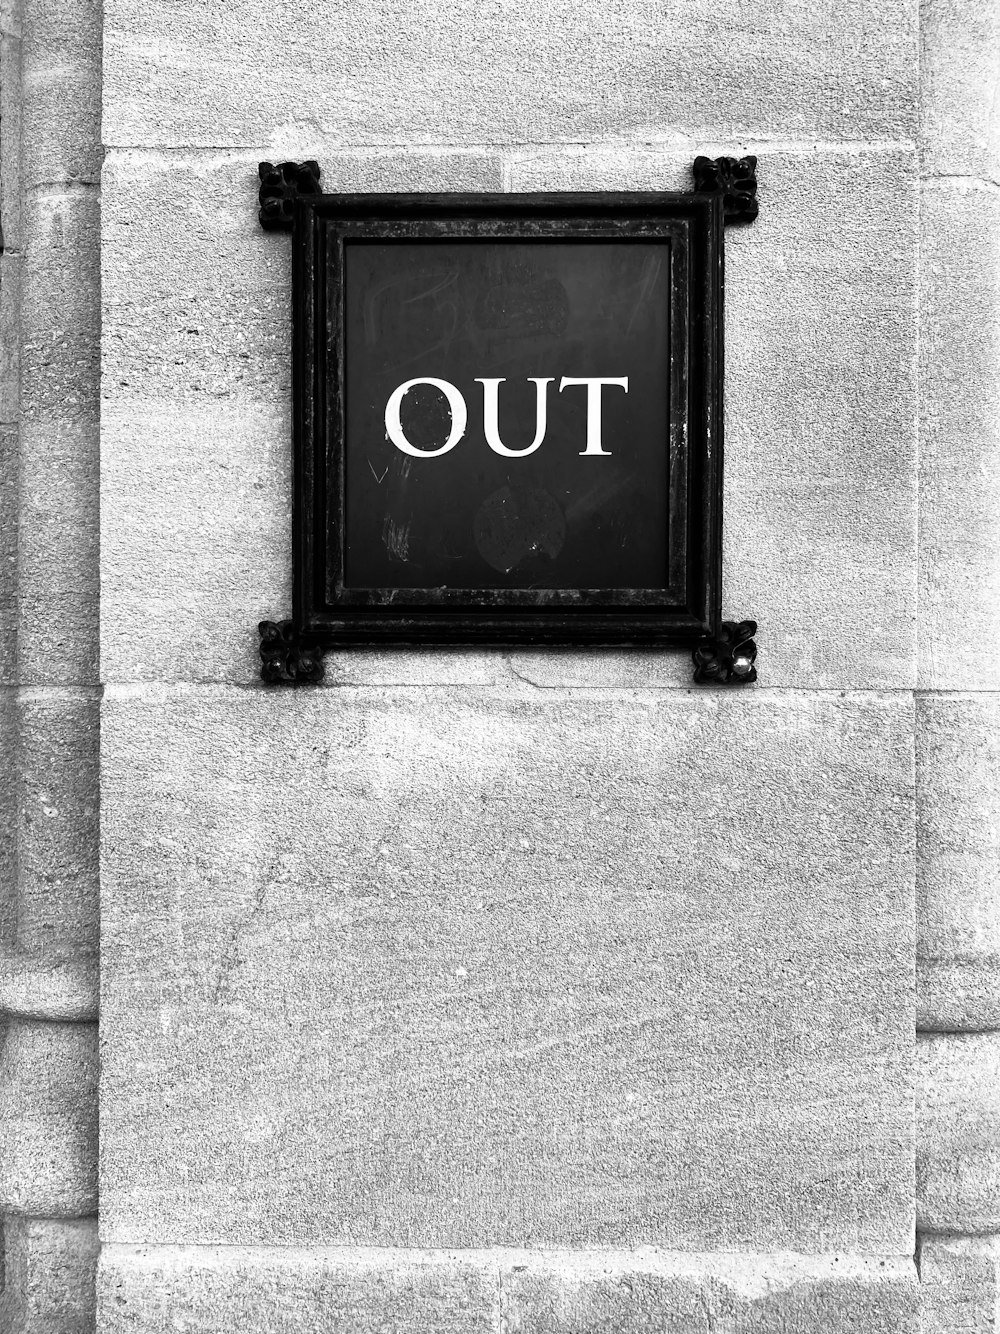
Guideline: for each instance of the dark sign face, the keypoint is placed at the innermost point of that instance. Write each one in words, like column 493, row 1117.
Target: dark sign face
column 506, row 414
column 507, row 417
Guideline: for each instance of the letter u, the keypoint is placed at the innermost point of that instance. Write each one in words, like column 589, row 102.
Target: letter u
column 491, row 416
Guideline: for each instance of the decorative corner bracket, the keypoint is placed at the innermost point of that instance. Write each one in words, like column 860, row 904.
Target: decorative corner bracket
column 733, row 178
column 281, row 184
column 284, row 661
column 727, row 657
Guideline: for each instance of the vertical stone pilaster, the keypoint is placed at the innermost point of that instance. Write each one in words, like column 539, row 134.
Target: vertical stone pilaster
column 50, row 156
column 958, row 708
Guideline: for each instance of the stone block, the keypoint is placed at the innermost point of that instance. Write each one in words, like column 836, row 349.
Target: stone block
column 61, row 305
column 960, row 437
column 958, row 1150
column 959, row 1284
column 195, row 540
column 821, row 480
column 960, row 70
column 958, row 861
column 208, row 1290
column 49, row 1281
column 8, row 553
column 472, row 967
column 61, row 72
column 671, row 1294
column 11, row 267
column 156, row 1289
column 48, row 1109
column 9, row 798
column 10, row 114
column 57, row 879
column 197, row 297
column 455, row 71
column 58, row 561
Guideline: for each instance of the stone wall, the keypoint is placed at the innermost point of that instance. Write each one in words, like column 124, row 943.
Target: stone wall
column 512, row 990
column 958, row 707
column 49, row 692
column 507, row 986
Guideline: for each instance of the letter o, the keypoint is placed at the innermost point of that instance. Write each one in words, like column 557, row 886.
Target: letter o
column 394, row 428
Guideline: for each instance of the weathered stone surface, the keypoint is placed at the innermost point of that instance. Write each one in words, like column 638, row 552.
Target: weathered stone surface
column 10, row 115
column 8, row 553
column 454, row 70
column 48, row 1109
column 958, row 1149
column 821, row 472
column 960, row 437
column 820, row 492
column 960, row 71
column 196, row 294
column 57, row 553
column 195, row 540
column 61, row 305
column 149, row 1289
column 670, row 1294
column 58, row 815
column 49, row 1281
column 61, row 69
column 959, row 1287
column 958, row 861
column 9, row 802
column 460, row 968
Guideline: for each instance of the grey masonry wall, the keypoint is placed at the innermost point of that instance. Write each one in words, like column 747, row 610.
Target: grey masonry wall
column 464, row 965
column 524, row 991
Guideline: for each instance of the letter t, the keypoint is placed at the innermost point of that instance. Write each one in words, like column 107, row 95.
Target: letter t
column 594, row 387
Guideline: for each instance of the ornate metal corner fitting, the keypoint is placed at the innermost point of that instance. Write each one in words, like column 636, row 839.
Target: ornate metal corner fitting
column 727, row 658
column 735, row 179
column 284, row 661
column 281, row 184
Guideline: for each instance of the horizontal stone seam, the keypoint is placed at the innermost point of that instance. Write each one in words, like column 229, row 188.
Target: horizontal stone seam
column 66, row 185
column 643, row 1257
column 945, row 179
column 71, row 690
column 951, row 1031
column 114, row 688
column 338, row 147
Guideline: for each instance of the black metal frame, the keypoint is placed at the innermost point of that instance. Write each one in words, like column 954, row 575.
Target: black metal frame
column 324, row 613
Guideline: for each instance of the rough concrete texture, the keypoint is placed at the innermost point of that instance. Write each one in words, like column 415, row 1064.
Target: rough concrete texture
column 146, row 1290
column 58, row 853
column 821, row 471
column 960, row 437
column 61, row 68
column 959, row 1285
column 679, row 1295
column 8, row 554
column 48, row 1109
column 462, row 968
column 58, row 554
column 958, row 1149
column 61, row 305
column 958, row 861
column 10, row 119
column 152, row 1289
column 9, row 801
column 49, row 1279
column 960, row 73
column 456, row 70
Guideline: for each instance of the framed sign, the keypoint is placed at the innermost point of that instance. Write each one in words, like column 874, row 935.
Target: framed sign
column 507, row 418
